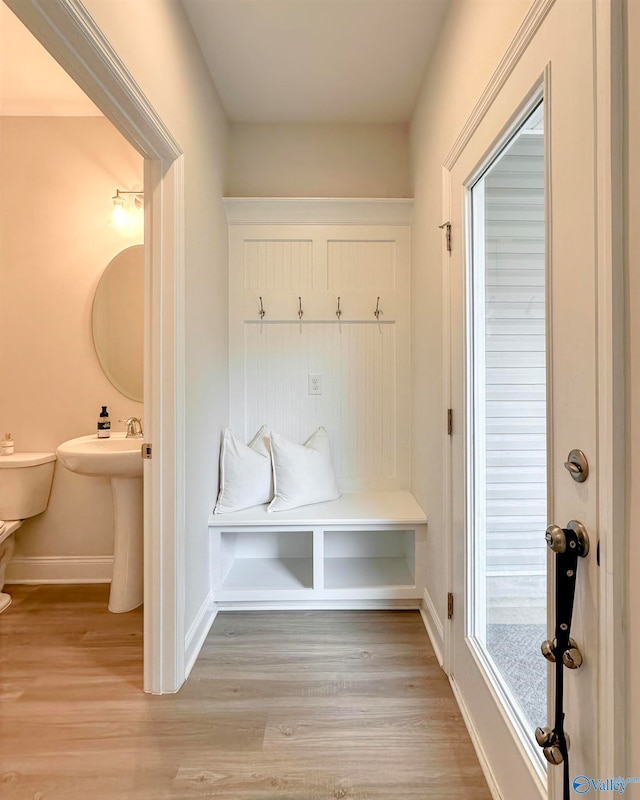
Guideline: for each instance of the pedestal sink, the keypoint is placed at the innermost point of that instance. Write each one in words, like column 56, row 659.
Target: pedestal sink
column 119, row 459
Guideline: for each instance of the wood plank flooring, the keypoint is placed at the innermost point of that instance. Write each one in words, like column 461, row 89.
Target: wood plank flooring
column 280, row 706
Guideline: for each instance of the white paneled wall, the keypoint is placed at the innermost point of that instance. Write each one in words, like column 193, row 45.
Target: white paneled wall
column 363, row 361
column 358, row 404
column 278, row 265
column 356, row 265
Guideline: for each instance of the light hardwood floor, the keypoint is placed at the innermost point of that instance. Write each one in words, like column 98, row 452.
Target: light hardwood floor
column 280, row 706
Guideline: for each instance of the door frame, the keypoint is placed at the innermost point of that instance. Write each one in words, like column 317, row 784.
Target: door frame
column 69, row 33
column 611, row 533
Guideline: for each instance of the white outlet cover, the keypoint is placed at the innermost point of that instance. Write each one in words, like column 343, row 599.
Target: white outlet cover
column 315, row 383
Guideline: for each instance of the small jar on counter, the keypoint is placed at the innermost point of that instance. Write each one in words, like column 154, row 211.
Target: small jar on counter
column 6, row 445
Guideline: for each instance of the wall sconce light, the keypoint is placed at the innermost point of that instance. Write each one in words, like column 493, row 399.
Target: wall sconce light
column 122, row 206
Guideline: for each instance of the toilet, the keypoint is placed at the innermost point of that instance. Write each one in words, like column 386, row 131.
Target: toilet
column 25, row 485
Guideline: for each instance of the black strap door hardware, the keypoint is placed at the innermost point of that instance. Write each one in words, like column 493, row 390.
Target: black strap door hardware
column 569, row 544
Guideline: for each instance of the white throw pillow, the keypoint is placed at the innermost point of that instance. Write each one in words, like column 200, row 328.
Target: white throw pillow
column 245, row 472
column 302, row 474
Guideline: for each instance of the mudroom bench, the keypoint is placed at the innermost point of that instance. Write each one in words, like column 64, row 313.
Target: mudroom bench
column 364, row 549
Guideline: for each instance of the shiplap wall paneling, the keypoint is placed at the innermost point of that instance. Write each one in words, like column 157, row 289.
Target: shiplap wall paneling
column 319, row 263
column 277, row 265
column 365, row 367
column 515, row 361
column 358, row 404
column 356, row 265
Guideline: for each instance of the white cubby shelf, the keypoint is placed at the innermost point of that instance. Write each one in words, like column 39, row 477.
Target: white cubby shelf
column 363, row 547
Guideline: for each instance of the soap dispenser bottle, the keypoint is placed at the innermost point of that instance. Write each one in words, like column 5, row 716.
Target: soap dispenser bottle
column 6, row 446
column 104, row 424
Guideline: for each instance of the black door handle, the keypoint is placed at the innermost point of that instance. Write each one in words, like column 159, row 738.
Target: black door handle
column 569, row 544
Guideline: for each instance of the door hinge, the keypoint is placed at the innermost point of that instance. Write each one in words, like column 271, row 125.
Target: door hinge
column 447, row 229
column 449, row 421
column 449, row 605
column 146, row 450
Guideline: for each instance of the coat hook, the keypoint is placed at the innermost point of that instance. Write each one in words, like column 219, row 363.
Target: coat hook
column 338, row 312
column 300, row 311
column 378, row 310
column 262, row 311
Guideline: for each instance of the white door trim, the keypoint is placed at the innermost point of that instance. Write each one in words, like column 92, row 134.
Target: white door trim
column 610, row 358
column 447, row 521
column 525, row 33
column 612, row 700
column 69, row 33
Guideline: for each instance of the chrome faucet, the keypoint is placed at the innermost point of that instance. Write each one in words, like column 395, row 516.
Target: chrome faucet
column 134, row 427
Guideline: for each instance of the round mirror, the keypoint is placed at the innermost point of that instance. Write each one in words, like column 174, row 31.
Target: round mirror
column 118, row 328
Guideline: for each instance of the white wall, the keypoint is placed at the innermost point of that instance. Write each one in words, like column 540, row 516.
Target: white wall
column 155, row 41
column 364, row 366
column 319, row 160
column 475, row 35
column 58, row 177
column 632, row 200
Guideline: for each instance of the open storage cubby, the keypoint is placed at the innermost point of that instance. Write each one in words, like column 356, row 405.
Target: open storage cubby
column 365, row 547
column 267, row 561
column 363, row 559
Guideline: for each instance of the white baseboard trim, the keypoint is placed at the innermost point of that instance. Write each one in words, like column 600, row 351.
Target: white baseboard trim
column 198, row 631
column 477, row 744
column 60, row 569
column 433, row 624
column 318, row 605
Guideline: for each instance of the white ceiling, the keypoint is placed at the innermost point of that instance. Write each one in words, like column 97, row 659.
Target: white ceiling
column 271, row 60
column 32, row 83
column 317, row 60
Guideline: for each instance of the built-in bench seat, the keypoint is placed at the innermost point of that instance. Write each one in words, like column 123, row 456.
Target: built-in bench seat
column 365, row 546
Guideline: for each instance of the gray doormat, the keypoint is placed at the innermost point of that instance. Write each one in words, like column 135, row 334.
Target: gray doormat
column 516, row 651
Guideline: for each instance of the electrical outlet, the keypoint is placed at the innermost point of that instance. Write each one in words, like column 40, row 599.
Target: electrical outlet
column 315, row 383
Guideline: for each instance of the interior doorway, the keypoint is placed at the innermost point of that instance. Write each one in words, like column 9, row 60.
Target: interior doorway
column 72, row 305
column 78, row 45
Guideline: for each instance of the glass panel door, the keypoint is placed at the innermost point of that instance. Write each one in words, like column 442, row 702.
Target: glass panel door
column 508, row 422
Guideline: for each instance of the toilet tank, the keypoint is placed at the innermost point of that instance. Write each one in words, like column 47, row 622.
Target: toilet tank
column 25, row 484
